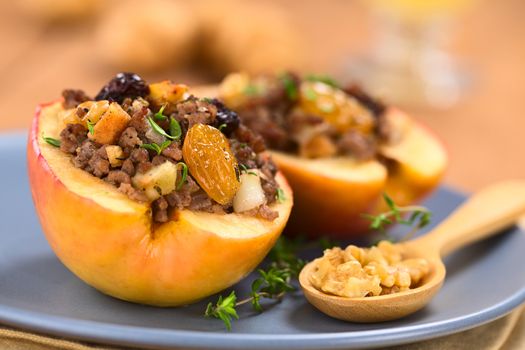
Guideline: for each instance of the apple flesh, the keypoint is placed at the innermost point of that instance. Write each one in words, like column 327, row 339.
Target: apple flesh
column 111, row 243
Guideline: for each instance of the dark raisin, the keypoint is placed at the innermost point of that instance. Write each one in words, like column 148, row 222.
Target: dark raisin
column 226, row 120
column 374, row 105
column 123, row 85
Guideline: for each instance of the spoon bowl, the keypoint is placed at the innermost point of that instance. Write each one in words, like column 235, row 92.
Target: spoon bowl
column 373, row 309
column 482, row 215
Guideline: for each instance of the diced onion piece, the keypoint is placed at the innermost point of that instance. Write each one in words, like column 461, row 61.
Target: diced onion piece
column 115, row 155
column 158, row 181
column 250, row 194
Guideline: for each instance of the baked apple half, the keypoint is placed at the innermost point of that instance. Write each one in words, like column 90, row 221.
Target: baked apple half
column 151, row 194
column 339, row 148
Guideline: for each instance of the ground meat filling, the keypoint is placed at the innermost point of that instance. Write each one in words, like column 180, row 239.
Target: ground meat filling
column 293, row 117
column 73, row 98
column 135, row 157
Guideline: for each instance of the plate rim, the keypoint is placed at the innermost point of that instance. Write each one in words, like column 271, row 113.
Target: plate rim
column 106, row 333
column 137, row 336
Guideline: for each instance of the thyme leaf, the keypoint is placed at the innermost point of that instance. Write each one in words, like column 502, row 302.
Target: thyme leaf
column 280, row 196
column 51, row 141
column 326, row 79
column 155, row 147
column 290, row 86
column 159, row 115
column 184, row 175
column 91, row 127
column 245, row 169
column 156, row 127
column 175, row 129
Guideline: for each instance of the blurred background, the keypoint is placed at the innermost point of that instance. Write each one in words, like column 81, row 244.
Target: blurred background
column 457, row 65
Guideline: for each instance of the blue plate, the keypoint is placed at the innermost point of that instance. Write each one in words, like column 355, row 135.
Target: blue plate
column 37, row 293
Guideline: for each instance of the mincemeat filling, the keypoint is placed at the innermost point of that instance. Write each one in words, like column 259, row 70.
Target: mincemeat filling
column 311, row 116
column 146, row 131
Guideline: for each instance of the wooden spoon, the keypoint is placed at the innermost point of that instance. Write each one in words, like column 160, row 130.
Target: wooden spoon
column 484, row 214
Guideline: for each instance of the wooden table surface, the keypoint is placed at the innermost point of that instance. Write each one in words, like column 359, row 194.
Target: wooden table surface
column 483, row 132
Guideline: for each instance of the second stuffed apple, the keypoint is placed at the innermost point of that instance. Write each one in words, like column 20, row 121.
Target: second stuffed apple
column 339, row 148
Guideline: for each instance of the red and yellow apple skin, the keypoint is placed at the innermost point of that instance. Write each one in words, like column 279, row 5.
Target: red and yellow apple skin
column 110, row 242
column 332, row 194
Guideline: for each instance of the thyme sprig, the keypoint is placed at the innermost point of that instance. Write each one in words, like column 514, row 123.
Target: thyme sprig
column 284, row 255
column 418, row 217
column 272, row 283
column 275, row 281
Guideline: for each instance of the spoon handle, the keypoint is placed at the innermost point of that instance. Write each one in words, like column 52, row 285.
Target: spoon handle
column 484, row 214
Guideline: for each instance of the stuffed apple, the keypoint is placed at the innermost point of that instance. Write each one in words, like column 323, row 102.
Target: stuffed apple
column 151, row 194
column 339, row 148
